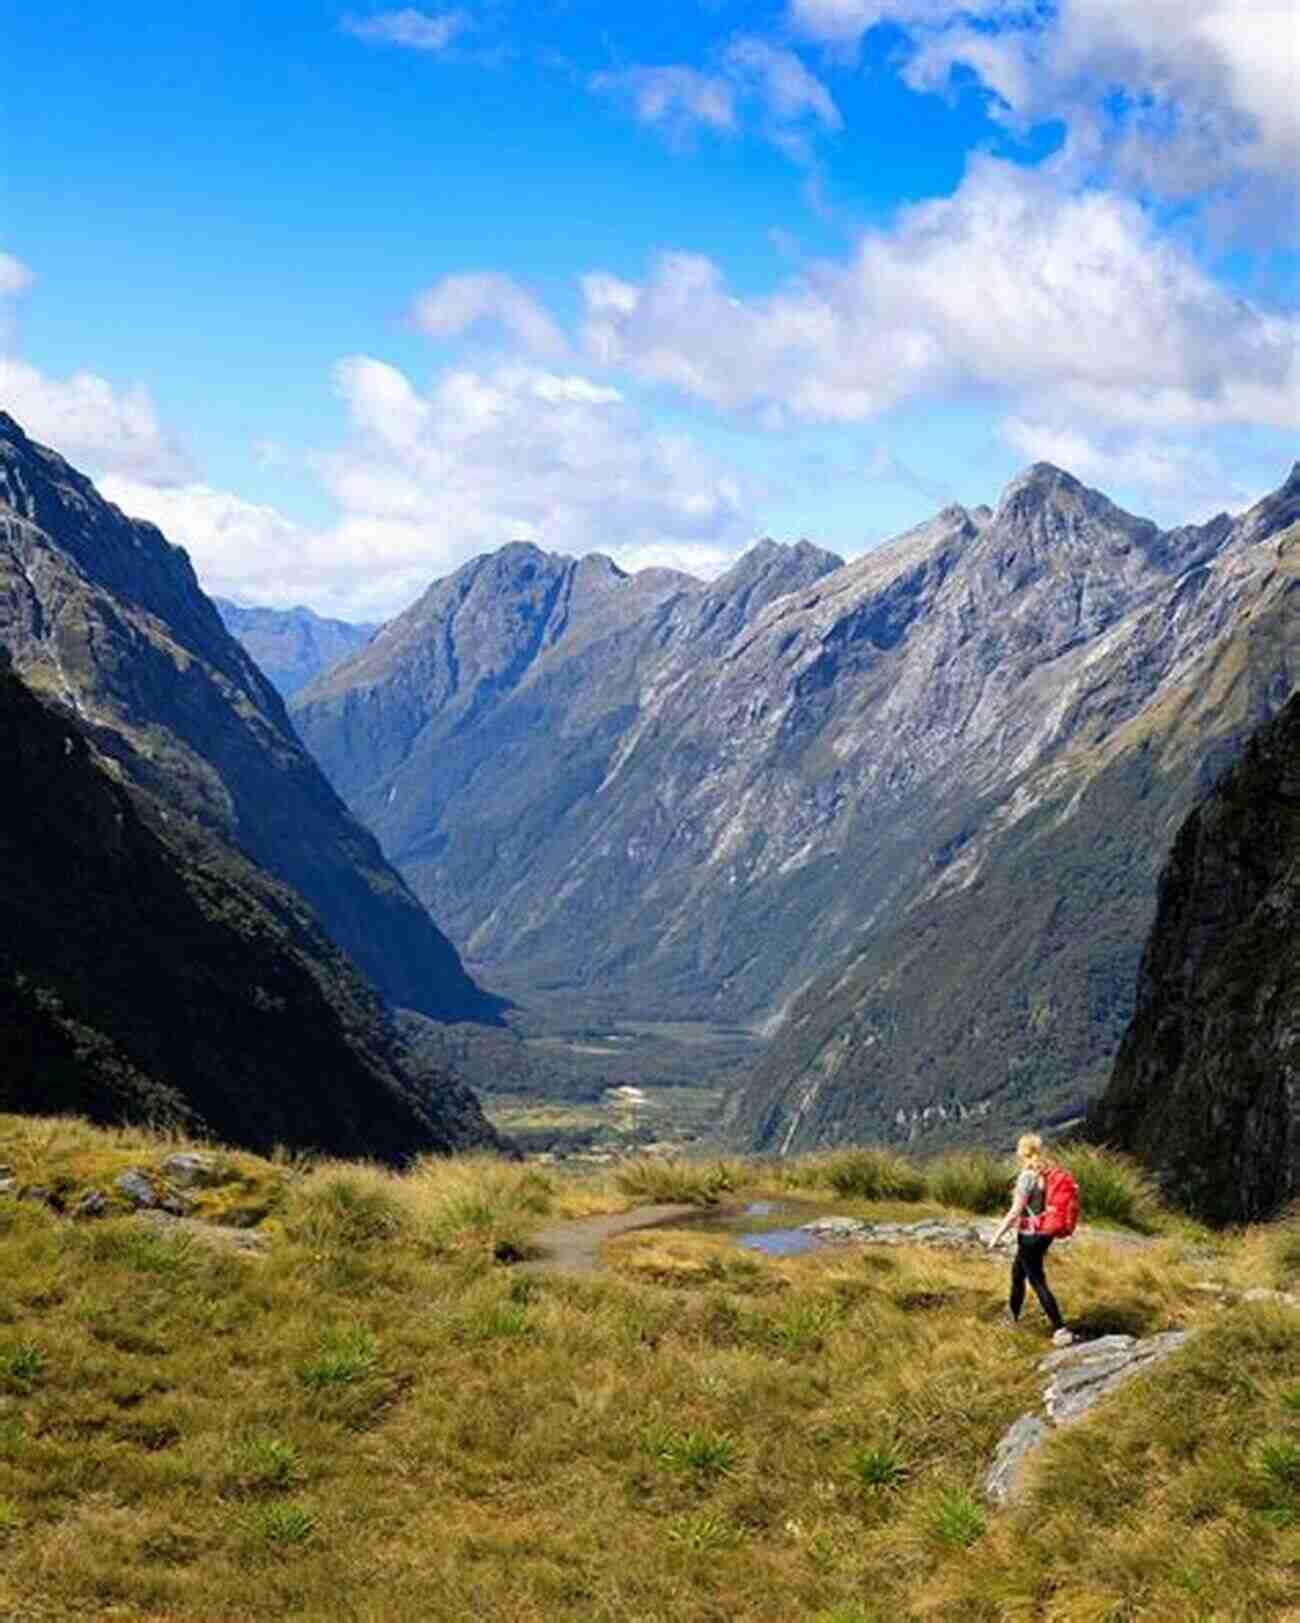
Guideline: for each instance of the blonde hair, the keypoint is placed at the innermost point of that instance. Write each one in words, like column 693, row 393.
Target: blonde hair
column 1029, row 1147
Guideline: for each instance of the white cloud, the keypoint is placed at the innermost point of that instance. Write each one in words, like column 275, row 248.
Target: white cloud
column 15, row 277
column 1183, row 97
column 458, row 302
column 789, row 104
column 415, row 30
column 1014, row 289
column 426, row 481
column 1178, row 481
column 677, row 99
column 844, row 22
column 92, row 423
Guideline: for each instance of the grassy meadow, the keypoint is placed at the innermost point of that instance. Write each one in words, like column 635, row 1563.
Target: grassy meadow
column 386, row 1417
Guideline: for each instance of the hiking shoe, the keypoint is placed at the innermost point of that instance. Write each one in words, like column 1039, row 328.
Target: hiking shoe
column 1063, row 1338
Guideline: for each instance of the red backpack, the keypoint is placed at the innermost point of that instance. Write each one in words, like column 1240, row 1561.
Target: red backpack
column 1060, row 1214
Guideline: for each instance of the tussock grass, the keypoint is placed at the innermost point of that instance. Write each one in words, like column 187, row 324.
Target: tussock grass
column 677, row 1182
column 863, row 1174
column 971, row 1180
column 381, row 1421
column 1112, row 1188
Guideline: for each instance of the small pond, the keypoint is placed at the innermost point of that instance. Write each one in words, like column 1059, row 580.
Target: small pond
column 770, row 1226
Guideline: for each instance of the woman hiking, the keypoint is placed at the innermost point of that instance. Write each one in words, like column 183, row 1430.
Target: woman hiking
column 1028, row 1197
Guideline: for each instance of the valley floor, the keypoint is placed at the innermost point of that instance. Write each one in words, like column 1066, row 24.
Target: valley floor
column 382, row 1416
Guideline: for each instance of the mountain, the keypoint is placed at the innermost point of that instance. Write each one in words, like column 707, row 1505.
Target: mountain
column 100, row 612
column 991, row 988
column 1206, row 1088
column 151, row 973
column 292, row 645
column 477, row 735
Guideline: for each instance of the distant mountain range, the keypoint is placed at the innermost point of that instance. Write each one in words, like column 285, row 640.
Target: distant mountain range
column 292, row 646
column 904, row 813
column 177, row 876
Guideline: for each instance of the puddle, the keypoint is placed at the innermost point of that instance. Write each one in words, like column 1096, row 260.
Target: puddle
column 780, row 1242
column 768, row 1226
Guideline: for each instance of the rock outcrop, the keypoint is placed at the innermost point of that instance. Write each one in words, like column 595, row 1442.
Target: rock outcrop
column 1206, row 1088
column 1078, row 1377
column 102, row 615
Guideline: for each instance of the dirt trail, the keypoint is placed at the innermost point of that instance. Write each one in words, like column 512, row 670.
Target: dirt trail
column 573, row 1247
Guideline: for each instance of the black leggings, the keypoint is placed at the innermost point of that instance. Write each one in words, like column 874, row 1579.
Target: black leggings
column 1031, row 1249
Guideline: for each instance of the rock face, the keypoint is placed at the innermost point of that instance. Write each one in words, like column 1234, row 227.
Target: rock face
column 1206, row 1088
column 906, row 813
column 993, row 982
column 292, row 646
column 149, row 972
column 484, row 736
column 101, row 614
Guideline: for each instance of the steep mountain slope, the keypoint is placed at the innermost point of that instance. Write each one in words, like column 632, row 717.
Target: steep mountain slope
column 292, row 646
column 474, row 734
column 150, row 973
column 99, row 611
column 995, row 993
column 906, row 812
column 1206, row 1089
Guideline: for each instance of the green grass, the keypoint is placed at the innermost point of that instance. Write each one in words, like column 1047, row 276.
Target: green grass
column 376, row 1421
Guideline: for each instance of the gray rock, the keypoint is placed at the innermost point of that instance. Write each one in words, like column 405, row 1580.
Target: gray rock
column 1102, row 1347
column 137, row 1186
column 1005, row 1475
column 176, row 1204
column 189, row 1169
column 837, row 1228
column 91, row 1204
column 1080, row 1377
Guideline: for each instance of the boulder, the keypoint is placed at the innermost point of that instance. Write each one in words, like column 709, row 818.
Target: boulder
column 188, row 1169
column 92, row 1204
column 137, row 1186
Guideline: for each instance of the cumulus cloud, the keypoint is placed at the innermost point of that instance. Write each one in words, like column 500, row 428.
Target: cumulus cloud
column 1015, row 288
column 415, row 30
column 1179, row 481
column 1183, row 97
column 754, row 82
column 426, row 480
column 457, row 302
column 92, row 423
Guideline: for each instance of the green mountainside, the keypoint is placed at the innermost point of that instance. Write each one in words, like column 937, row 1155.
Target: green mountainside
column 1206, row 1088
column 151, row 973
column 100, row 612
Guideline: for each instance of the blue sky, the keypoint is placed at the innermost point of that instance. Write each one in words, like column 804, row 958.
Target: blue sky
column 343, row 296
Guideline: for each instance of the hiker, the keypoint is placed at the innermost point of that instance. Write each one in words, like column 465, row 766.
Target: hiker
column 1028, row 1204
